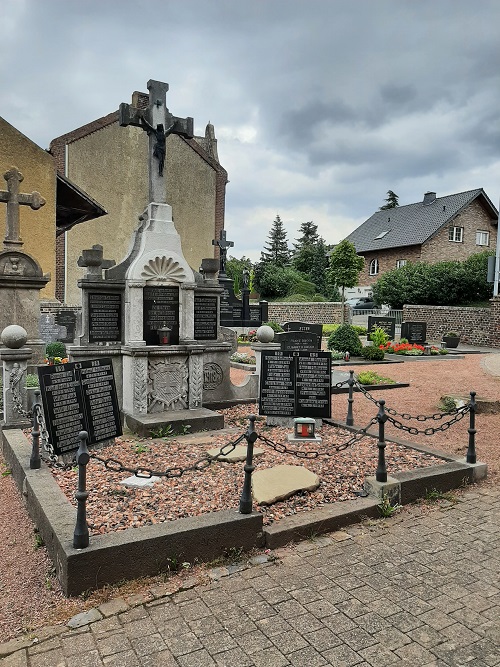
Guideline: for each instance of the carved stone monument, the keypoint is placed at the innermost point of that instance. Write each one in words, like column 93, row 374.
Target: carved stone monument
column 151, row 313
column 21, row 276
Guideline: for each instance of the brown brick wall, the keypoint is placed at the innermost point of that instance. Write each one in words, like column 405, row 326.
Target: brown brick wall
column 474, row 218
column 472, row 324
column 387, row 261
column 495, row 322
column 312, row 312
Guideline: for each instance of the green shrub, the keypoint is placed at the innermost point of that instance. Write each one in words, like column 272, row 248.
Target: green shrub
column 295, row 298
column 345, row 339
column 379, row 337
column 32, row 380
column 370, row 377
column 337, row 355
column 328, row 329
column 372, row 353
column 318, row 298
column 55, row 349
column 361, row 331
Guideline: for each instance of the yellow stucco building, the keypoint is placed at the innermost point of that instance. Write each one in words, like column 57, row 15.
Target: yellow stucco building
column 38, row 228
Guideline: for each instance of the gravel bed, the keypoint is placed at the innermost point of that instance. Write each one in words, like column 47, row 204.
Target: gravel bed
column 112, row 506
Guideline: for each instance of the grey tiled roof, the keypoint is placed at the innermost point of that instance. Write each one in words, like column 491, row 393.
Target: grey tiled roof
column 412, row 224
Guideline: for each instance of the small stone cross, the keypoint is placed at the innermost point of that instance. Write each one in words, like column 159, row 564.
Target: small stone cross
column 13, row 198
column 93, row 261
column 223, row 244
column 159, row 123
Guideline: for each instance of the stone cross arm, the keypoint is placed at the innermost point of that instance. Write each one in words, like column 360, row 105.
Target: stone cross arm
column 13, row 198
column 92, row 260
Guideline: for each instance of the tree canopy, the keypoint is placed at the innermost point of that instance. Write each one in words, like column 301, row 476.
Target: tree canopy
column 391, row 201
column 276, row 251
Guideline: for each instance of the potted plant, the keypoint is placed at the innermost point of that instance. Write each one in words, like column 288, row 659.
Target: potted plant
column 451, row 339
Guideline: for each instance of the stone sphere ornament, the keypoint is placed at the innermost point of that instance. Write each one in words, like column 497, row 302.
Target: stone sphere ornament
column 14, row 336
column 265, row 334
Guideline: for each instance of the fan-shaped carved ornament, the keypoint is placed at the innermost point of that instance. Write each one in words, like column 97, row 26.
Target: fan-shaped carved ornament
column 163, row 268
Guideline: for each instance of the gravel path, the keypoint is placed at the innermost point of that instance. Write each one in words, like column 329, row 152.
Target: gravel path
column 30, row 596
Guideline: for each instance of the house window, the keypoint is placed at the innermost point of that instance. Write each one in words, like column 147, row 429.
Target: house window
column 374, row 267
column 400, row 263
column 482, row 238
column 382, row 234
column 456, row 234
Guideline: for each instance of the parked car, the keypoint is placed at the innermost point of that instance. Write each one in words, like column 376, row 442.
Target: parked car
column 362, row 303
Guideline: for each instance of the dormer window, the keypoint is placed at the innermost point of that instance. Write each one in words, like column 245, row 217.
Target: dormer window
column 382, row 234
column 456, row 234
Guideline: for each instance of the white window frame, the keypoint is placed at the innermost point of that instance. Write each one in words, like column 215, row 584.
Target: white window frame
column 373, row 268
column 456, row 234
column 400, row 263
column 480, row 235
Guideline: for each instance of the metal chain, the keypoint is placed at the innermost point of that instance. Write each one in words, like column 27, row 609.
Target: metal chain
column 430, row 431
column 14, row 379
column 405, row 415
column 283, row 449
column 114, row 465
column 51, row 458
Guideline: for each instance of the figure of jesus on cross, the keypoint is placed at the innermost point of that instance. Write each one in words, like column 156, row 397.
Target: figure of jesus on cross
column 223, row 245
column 159, row 123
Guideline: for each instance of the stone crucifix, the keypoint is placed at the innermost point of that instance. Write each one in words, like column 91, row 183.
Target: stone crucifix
column 13, row 198
column 223, row 244
column 159, row 123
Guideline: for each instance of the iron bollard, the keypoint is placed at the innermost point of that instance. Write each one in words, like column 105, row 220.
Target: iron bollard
column 381, row 474
column 35, row 459
column 350, row 400
column 471, row 451
column 81, row 534
column 246, row 495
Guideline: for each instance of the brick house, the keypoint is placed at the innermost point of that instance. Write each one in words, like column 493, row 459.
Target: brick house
column 110, row 162
column 434, row 230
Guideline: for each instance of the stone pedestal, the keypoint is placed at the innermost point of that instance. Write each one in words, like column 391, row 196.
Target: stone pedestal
column 15, row 394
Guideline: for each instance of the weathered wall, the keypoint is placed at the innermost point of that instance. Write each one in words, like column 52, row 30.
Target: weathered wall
column 38, row 228
column 472, row 324
column 313, row 312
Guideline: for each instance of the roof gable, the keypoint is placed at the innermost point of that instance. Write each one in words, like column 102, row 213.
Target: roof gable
column 413, row 224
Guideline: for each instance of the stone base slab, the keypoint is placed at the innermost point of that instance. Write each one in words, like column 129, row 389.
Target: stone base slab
column 391, row 489
column 200, row 419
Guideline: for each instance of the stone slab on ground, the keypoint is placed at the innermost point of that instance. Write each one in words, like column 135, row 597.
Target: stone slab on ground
column 280, row 482
column 200, row 419
column 239, row 453
column 134, row 482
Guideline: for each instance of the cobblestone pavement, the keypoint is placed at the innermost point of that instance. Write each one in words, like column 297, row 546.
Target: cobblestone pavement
column 420, row 589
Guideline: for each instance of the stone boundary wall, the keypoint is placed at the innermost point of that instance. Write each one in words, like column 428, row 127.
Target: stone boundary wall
column 474, row 325
column 314, row 312
column 54, row 307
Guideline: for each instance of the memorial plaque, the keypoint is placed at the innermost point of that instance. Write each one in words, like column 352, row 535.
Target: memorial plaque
column 295, row 384
column 306, row 327
column 239, row 313
column 48, row 329
column 105, row 317
column 79, row 396
column 297, row 341
column 205, row 317
column 415, row 332
column 160, row 309
column 66, row 319
column 388, row 324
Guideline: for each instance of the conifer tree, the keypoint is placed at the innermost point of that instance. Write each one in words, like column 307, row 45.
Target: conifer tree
column 276, row 251
column 392, row 200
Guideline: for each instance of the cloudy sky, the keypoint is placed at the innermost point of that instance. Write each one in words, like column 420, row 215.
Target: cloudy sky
column 319, row 106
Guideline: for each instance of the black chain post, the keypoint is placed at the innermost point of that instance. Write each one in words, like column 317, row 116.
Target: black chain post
column 381, row 474
column 81, row 534
column 471, row 451
column 350, row 419
column 35, row 459
column 246, row 495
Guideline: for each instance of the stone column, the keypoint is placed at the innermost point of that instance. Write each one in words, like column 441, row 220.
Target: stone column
column 495, row 322
column 134, row 313
column 15, row 358
column 186, row 314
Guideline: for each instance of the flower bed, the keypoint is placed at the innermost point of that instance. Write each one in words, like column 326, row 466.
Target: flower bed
column 410, row 349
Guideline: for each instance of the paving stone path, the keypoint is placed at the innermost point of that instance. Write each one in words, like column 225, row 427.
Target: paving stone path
column 420, row 589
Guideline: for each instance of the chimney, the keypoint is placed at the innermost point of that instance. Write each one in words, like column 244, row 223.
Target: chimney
column 429, row 198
